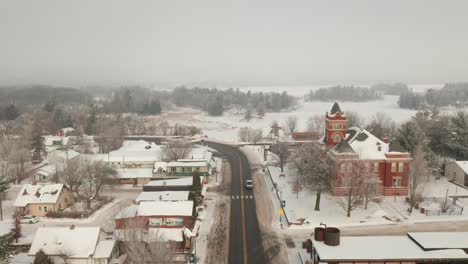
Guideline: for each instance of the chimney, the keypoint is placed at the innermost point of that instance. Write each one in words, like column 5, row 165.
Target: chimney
column 72, row 227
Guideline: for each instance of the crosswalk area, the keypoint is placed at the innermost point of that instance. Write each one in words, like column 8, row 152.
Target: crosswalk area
column 241, row 197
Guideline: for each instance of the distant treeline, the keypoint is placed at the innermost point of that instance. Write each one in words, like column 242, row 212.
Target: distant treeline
column 213, row 101
column 344, row 93
column 455, row 94
column 39, row 94
column 141, row 100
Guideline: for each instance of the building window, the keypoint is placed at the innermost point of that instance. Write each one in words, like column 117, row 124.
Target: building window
column 342, row 167
column 189, row 169
column 401, row 167
column 394, row 167
column 44, row 178
column 173, row 169
column 45, row 209
column 396, row 182
column 376, row 167
column 40, row 208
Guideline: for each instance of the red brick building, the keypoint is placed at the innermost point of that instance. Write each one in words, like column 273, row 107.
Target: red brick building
column 345, row 145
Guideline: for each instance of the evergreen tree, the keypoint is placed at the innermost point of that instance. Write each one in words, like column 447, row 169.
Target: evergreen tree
column 41, row 258
column 195, row 194
column 91, row 124
column 5, row 249
column 37, row 142
column 11, row 112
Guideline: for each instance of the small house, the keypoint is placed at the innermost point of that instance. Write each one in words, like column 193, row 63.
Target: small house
column 75, row 245
column 39, row 199
column 457, row 171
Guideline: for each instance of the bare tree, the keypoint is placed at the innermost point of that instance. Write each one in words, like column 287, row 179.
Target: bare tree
column 250, row 135
column 360, row 184
column 281, row 149
column 316, row 169
column 71, row 175
column 316, row 123
column 94, row 176
column 142, row 244
column 418, row 170
column 291, row 123
column 274, row 129
column 381, row 125
column 177, row 150
column 19, row 158
column 354, row 119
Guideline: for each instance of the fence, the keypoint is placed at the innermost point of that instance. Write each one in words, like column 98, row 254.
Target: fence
column 271, row 186
column 451, row 207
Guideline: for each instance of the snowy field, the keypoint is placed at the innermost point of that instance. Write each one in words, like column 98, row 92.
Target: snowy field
column 226, row 127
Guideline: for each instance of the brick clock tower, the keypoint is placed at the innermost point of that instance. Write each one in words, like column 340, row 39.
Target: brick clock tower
column 335, row 126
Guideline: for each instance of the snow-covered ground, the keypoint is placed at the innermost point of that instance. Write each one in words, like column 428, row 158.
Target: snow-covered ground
column 390, row 211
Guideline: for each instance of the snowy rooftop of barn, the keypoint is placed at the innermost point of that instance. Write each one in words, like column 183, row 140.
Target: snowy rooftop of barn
column 383, row 248
column 133, row 173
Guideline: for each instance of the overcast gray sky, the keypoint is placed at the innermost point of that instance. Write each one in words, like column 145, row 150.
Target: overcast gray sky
column 232, row 42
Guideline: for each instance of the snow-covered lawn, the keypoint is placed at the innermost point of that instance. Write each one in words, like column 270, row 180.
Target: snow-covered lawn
column 390, row 211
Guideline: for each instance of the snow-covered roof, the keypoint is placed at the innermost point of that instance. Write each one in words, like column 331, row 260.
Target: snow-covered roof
column 187, row 181
column 441, row 240
column 135, row 151
column 104, row 248
column 163, row 196
column 133, row 173
column 50, row 169
column 67, row 129
column 38, row 194
column 383, row 248
column 149, row 208
column 365, row 144
column 49, row 140
column 62, row 155
column 200, row 152
column 187, row 164
column 77, row 242
column 463, row 165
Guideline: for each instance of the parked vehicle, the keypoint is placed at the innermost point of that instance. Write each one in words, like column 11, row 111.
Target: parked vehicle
column 29, row 219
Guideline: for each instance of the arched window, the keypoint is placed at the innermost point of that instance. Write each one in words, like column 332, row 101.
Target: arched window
column 337, row 138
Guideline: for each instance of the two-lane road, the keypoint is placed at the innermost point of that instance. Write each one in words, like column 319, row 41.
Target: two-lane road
column 245, row 240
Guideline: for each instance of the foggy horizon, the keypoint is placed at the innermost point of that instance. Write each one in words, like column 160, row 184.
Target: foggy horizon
column 212, row 43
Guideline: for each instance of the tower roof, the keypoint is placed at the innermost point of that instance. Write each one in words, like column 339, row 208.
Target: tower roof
column 335, row 108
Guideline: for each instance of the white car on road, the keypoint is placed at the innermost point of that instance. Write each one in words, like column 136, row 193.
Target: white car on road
column 29, row 219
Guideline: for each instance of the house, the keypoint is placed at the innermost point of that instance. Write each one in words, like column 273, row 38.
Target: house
column 47, row 173
column 457, row 171
column 134, row 154
column 39, row 199
column 389, row 161
column 413, row 248
column 157, row 221
column 135, row 176
column 157, row 214
column 181, row 167
column 305, row 136
column 75, row 245
column 199, row 159
column 163, row 196
column 66, row 131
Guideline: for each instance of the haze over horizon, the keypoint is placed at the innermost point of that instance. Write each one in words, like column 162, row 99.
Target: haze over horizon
column 114, row 42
